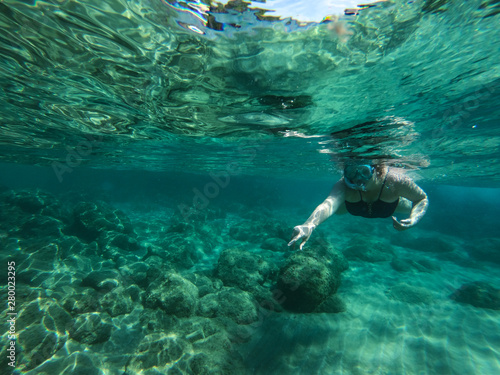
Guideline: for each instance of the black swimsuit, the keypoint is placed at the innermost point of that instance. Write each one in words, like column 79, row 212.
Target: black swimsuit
column 377, row 209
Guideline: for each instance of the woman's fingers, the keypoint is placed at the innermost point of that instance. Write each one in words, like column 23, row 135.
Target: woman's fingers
column 300, row 234
column 303, row 243
column 293, row 240
column 296, row 235
column 401, row 225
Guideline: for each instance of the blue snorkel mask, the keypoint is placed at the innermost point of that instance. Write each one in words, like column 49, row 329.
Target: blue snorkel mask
column 356, row 176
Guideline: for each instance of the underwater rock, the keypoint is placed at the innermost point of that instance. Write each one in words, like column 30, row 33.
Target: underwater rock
column 410, row 294
column 174, row 294
column 402, row 265
column 248, row 231
column 178, row 225
column 232, row 303
column 91, row 328
column 275, row 244
column 324, row 251
column 39, row 266
column 332, row 305
column 43, row 269
column 59, row 317
column 135, row 293
column 33, row 202
column 309, row 277
column 158, row 350
column 306, row 283
column 368, row 251
column 419, row 265
column 207, row 223
column 195, row 217
column 195, row 346
column 103, row 280
column 46, row 311
column 71, row 246
column 181, row 250
column 257, row 230
column 157, row 321
column 42, row 326
column 32, row 313
column 33, row 220
column 243, row 269
column 434, row 244
column 86, row 301
column 79, row 363
column 437, row 244
column 485, row 249
column 425, row 265
column 39, row 344
column 29, row 202
column 156, row 268
column 210, row 337
column 478, row 294
column 137, row 272
column 205, row 284
column 76, row 363
column 116, row 302
column 91, row 220
column 119, row 240
column 41, row 226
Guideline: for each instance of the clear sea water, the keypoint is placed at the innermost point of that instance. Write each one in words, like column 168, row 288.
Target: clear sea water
column 146, row 109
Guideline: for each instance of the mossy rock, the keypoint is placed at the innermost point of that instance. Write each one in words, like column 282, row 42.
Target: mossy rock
column 478, row 294
column 410, row 294
column 174, row 294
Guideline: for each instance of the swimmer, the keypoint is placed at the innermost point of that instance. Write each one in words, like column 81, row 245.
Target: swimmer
column 371, row 191
column 338, row 27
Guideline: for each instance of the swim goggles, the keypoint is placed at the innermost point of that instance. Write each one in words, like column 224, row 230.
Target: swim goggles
column 359, row 173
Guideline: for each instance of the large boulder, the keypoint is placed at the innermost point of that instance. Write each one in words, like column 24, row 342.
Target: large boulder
column 485, row 249
column 180, row 249
column 173, row 294
column 196, row 345
column 243, row 269
column 232, row 303
column 117, row 302
column 310, row 277
column 478, row 294
column 99, row 222
column 91, row 328
column 33, row 202
column 31, row 215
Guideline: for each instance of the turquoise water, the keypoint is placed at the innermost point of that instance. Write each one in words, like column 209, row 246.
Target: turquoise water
column 155, row 157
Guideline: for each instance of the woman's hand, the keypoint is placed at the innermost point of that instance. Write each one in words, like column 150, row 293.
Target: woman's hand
column 402, row 224
column 302, row 233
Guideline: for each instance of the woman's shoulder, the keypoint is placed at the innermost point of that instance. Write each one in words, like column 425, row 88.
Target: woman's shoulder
column 400, row 182
column 397, row 180
column 395, row 175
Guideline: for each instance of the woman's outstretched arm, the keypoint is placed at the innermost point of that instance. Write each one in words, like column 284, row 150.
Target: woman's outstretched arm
column 326, row 209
